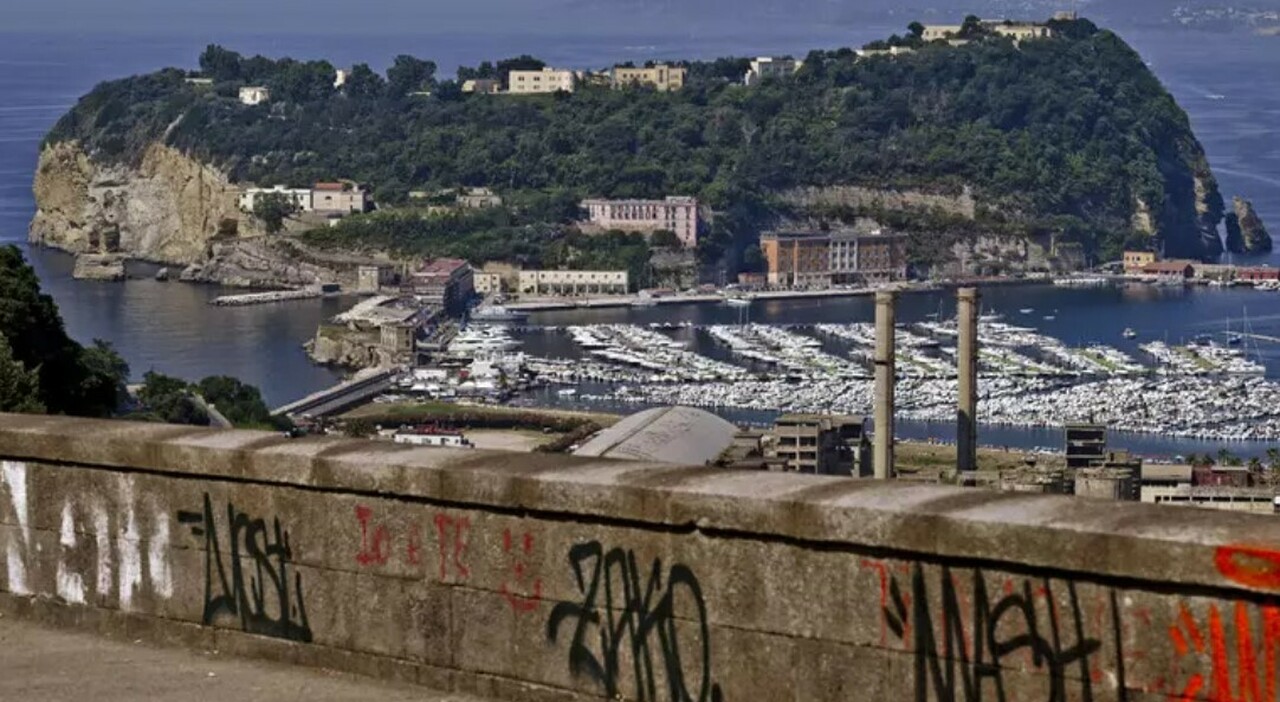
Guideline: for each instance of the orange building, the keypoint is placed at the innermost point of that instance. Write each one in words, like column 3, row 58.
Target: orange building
column 1135, row 261
column 823, row 259
column 797, row 260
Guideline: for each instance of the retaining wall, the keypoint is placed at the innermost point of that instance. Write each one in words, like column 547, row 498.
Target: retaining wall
column 538, row 577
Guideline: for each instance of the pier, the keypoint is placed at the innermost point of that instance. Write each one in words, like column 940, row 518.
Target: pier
column 362, row 388
column 262, row 298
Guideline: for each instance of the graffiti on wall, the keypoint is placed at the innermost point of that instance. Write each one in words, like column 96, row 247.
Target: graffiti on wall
column 382, row 544
column 625, row 614
column 965, row 637
column 249, row 582
column 112, row 546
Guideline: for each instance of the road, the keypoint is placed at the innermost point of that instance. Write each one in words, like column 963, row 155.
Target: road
column 39, row 663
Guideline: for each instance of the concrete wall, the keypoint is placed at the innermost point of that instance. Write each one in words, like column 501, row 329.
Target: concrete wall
column 539, row 577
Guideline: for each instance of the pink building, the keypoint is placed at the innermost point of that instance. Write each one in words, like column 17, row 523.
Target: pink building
column 675, row 214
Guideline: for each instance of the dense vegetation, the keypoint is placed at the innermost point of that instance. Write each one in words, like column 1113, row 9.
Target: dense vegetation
column 42, row 370
column 1063, row 135
column 164, row 398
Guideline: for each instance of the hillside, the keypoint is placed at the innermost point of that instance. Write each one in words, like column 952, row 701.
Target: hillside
column 1071, row 136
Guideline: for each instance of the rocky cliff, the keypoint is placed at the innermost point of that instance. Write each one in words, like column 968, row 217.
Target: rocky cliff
column 1246, row 233
column 167, row 207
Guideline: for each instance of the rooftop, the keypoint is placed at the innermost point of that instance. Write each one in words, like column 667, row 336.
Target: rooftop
column 679, row 435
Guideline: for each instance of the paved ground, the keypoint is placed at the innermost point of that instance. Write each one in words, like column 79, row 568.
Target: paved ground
column 52, row 666
column 509, row 440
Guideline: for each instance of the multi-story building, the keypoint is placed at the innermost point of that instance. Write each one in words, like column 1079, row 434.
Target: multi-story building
column 572, row 283
column 797, row 260
column 301, row 197
column 488, row 283
column 370, row 280
column 254, row 95
column 661, row 76
column 1086, row 445
column 822, row 444
column 547, row 80
column 447, row 283
column 674, row 214
column 769, row 67
column 338, row 198
column 1135, row 261
column 823, row 259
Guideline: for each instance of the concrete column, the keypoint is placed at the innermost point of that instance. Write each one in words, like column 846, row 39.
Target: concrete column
column 967, row 373
column 884, row 400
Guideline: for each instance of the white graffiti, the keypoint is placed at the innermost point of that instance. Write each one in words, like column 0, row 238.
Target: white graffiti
column 130, row 556
column 102, row 532
column 120, row 567
column 14, row 476
column 70, row 585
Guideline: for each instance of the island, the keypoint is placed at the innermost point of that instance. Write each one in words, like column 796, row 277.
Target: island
column 987, row 147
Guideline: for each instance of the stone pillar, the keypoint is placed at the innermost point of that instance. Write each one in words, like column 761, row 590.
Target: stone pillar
column 884, row 400
column 967, row 374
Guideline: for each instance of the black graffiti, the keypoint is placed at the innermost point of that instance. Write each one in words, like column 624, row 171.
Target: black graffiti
column 625, row 613
column 959, row 660
column 257, row 592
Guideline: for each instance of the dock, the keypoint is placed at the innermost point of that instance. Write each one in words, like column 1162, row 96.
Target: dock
column 262, row 298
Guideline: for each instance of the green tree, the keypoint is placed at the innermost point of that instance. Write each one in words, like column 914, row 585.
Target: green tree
column 363, row 83
column 408, row 75
column 916, row 29
column 168, row 399
column 220, row 64
column 272, row 209
column 239, row 402
column 524, row 62
column 102, row 389
column 19, row 387
column 666, row 239
column 34, row 333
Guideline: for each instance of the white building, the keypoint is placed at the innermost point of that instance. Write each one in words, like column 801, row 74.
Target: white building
column 891, row 51
column 934, row 32
column 547, row 80
column 1019, row 31
column 340, row 77
column 768, row 67
column 441, row 439
column 572, row 283
column 674, row 214
column 254, row 95
column 301, row 197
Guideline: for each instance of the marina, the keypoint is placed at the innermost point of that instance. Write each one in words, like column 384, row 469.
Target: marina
column 1040, row 366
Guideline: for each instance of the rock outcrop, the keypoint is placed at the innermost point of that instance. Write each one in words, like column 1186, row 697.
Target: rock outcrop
column 166, row 208
column 855, row 197
column 1246, row 234
column 347, row 347
column 108, row 267
column 262, row 262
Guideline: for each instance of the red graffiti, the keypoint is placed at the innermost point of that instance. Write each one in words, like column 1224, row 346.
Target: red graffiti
column 1249, row 680
column 527, row 602
column 453, row 555
column 1252, row 567
column 413, row 550
column 373, row 550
